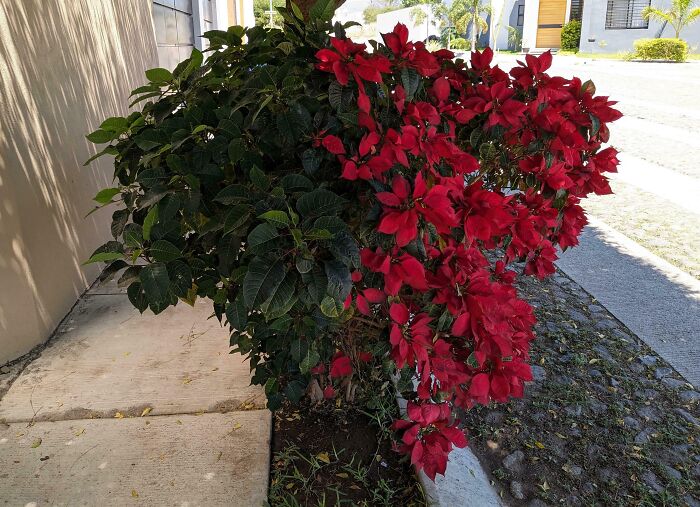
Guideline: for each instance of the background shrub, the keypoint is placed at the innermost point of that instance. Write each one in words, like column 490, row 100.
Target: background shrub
column 571, row 36
column 461, row 44
column 661, row 49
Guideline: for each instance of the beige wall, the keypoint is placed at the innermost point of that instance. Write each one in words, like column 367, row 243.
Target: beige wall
column 65, row 65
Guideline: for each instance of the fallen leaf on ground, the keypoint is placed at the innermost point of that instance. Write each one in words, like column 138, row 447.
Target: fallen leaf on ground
column 323, row 456
column 36, row 443
column 80, row 432
column 146, row 411
column 237, row 426
column 134, row 493
column 539, row 445
column 342, row 475
column 119, row 415
column 187, row 380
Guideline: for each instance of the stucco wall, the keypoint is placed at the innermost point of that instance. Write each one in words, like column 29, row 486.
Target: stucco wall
column 64, row 67
column 596, row 39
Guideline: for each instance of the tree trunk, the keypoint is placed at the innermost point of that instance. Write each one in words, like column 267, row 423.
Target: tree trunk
column 473, row 48
column 305, row 5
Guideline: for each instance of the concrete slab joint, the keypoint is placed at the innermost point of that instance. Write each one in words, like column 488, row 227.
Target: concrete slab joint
column 130, row 408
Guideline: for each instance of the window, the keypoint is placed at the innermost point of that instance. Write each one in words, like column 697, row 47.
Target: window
column 521, row 15
column 576, row 11
column 626, row 14
column 174, row 31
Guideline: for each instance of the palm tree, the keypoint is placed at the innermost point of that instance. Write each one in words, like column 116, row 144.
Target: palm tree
column 681, row 14
column 464, row 13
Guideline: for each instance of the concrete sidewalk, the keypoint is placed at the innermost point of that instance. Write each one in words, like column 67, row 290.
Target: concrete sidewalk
column 130, row 409
column 655, row 300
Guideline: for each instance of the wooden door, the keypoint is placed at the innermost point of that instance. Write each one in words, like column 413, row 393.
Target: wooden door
column 552, row 14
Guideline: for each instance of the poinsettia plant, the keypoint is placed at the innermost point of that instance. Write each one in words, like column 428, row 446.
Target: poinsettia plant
column 356, row 214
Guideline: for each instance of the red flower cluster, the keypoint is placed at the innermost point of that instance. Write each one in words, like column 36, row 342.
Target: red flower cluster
column 471, row 170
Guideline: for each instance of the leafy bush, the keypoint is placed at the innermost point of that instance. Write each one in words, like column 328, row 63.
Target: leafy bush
column 571, row 36
column 355, row 217
column 675, row 50
column 460, row 44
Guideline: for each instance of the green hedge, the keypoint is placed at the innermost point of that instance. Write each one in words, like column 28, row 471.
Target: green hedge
column 571, row 36
column 661, row 49
column 460, row 43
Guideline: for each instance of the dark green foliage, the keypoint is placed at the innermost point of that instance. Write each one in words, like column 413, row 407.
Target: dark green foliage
column 571, row 36
column 225, row 194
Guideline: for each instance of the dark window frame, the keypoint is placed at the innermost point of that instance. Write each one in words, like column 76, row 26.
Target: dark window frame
column 520, row 21
column 626, row 15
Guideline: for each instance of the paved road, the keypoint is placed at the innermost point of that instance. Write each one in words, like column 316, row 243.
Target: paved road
column 640, row 256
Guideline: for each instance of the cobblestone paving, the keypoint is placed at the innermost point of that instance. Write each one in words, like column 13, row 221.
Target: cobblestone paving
column 605, row 422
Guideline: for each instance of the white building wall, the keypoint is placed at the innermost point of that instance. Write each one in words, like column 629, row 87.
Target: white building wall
column 532, row 8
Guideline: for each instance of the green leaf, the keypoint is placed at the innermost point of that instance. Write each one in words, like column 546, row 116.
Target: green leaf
column 294, row 391
column 304, row 265
column 111, row 270
column 311, row 160
column 237, row 314
column 263, row 238
column 277, row 218
column 411, row 81
column 297, row 12
column 137, row 296
column 232, row 194
column 100, row 136
column 259, row 178
column 331, row 308
column 228, row 249
column 262, row 277
column 280, row 297
column 117, row 124
column 339, row 280
column 236, row 150
column 119, row 220
column 298, row 350
column 236, row 217
column 104, row 257
column 130, row 275
column 316, row 283
column 180, row 276
column 156, row 285
column 344, row 248
column 319, row 202
column 332, row 224
column 318, row 234
column 310, row 360
column 164, row 251
column 149, row 221
column 322, row 10
column 105, row 195
column 133, row 235
column 335, row 94
column 159, row 75
column 295, row 183
column 109, row 150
